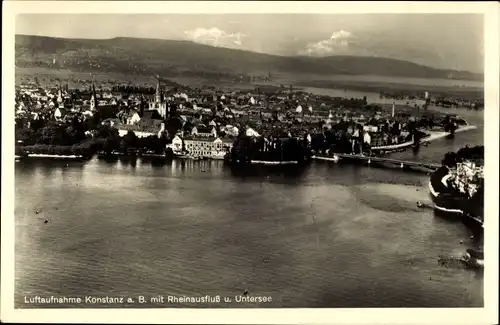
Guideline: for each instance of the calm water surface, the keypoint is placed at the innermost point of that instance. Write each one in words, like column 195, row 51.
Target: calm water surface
column 324, row 236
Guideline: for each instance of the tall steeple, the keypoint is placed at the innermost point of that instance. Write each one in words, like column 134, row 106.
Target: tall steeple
column 59, row 95
column 60, row 99
column 93, row 97
column 158, row 95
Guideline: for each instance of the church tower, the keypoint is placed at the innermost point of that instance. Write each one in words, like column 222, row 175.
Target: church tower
column 60, row 99
column 158, row 95
column 159, row 104
column 93, row 98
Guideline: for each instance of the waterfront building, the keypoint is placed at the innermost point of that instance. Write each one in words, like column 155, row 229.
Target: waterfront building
column 177, row 144
column 202, row 131
column 467, row 177
column 202, row 146
column 142, row 130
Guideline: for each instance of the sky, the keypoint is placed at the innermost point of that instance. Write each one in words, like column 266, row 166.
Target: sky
column 452, row 41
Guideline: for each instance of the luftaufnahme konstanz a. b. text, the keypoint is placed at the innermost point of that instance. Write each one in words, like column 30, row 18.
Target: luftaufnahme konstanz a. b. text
column 77, row 300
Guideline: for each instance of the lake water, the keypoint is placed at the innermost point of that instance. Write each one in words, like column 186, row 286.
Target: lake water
column 408, row 81
column 325, row 235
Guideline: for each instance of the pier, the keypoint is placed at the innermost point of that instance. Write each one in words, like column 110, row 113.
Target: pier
column 370, row 159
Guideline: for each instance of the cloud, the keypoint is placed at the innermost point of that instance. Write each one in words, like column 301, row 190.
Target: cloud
column 215, row 37
column 338, row 42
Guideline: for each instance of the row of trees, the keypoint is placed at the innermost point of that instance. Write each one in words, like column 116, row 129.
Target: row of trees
column 476, row 105
column 333, row 140
column 129, row 142
column 451, row 159
column 86, row 149
column 449, row 125
column 50, row 132
column 129, row 89
column 69, row 138
column 246, row 148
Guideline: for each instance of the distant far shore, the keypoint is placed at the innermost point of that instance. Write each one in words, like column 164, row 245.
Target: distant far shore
column 357, row 83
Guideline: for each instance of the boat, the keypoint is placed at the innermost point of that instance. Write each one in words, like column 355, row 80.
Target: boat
column 180, row 155
column 217, row 157
column 335, row 158
column 277, row 162
column 152, row 154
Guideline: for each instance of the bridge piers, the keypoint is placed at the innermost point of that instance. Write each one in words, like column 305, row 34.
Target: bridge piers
column 395, row 162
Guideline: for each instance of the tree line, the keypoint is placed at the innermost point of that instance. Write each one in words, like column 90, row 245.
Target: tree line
column 451, row 159
column 70, row 137
column 130, row 143
column 246, row 149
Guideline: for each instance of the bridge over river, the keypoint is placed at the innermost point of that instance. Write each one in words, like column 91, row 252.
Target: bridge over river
column 371, row 159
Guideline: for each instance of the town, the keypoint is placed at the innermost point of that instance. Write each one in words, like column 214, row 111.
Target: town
column 268, row 123
column 302, row 159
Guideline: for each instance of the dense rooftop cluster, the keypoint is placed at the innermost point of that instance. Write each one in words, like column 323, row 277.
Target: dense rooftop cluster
column 170, row 109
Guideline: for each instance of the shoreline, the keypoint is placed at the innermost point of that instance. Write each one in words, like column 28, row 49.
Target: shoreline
column 39, row 155
column 438, row 189
column 431, row 136
column 268, row 162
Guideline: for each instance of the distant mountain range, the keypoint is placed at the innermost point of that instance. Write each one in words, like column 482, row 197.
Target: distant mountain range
column 164, row 57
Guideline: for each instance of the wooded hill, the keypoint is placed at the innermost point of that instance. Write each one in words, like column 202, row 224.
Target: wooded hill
column 169, row 57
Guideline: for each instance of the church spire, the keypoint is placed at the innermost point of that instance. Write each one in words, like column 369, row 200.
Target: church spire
column 60, row 100
column 158, row 95
column 93, row 97
column 59, row 95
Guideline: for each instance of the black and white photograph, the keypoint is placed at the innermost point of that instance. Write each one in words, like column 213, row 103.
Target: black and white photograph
column 290, row 157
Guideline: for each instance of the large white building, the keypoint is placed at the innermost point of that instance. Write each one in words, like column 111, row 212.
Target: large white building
column 202, row 146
